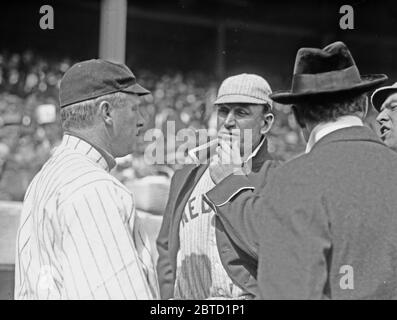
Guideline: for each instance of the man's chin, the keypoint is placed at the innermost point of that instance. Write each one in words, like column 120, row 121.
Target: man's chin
column 125, row 153
column 391, row 144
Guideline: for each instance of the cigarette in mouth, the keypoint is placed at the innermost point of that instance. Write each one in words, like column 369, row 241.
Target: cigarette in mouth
column 201, row 147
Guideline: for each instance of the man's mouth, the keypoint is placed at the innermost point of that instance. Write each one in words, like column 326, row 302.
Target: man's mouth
column 228, row 134
column 384, row 131
column 138, row 131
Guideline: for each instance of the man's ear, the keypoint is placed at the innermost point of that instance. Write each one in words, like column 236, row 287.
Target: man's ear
column 105, row 112
column 363, row 114
column 268, row 120
column 304, row 127
column 295, row 112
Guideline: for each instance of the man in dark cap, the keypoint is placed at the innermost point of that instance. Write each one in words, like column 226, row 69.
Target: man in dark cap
column 78, row 237
column 384, row 101
column 325, row 223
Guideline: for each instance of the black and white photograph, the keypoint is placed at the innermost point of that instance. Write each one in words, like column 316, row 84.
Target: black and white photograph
column 218, row 151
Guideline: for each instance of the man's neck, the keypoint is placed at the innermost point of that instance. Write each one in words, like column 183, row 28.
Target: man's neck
column 98, row 143
column 93, row 138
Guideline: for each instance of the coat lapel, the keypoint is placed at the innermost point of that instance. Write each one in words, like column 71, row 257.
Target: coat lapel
column 261, row 157
column 190, row 179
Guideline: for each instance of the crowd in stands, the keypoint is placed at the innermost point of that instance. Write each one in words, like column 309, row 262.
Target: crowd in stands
column 28, row 81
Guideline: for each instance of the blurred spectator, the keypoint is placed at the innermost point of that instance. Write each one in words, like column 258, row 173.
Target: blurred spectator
column 28, row 80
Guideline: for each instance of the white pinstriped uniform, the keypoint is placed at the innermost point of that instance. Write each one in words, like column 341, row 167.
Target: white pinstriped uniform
column 78, row 237
column 200, row 273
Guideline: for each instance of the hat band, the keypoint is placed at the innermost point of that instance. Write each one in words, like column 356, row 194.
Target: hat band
column 327, row 81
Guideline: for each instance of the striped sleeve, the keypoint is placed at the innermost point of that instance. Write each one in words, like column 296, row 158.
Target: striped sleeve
column 100, row 259
column 145, row 254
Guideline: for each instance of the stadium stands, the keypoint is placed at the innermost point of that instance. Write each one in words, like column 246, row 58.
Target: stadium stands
column 28, row 80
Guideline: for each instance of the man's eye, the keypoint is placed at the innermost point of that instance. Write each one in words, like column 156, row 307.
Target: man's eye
column 223, row 111
column 241, row 113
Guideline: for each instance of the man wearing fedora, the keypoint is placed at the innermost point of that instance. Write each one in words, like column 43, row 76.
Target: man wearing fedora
column 384, row 101
column 197, row 258
column 78, row 237
column 324, row 223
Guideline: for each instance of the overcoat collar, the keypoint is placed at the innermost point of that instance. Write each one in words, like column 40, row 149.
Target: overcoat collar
column 355, row 133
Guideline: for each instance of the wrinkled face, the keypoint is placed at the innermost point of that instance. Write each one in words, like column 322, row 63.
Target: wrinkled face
column 127, row 125
column 387, row 120
column 239, row 118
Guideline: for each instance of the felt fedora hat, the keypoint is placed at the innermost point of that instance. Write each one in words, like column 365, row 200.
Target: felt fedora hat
column 326, row 72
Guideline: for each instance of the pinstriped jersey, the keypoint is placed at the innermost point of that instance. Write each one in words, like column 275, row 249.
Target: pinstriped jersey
column 200, row 273
column 78, row 236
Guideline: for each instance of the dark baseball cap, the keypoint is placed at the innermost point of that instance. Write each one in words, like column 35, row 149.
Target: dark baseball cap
column 94, row 78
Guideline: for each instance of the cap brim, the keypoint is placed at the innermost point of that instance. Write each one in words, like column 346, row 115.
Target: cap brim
column 136, row 89
column 380, row 95
column 368, row 83
column 236, row 98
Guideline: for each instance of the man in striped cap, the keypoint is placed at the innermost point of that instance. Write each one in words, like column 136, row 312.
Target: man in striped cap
column 78, row 237
column 326, row 221
column 197, row 258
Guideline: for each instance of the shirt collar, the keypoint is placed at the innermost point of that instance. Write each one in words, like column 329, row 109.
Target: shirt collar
column 324, row 128
column 253, row 154
column 97, row 154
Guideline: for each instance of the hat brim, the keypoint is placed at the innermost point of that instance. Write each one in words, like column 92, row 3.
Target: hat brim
column 380, row 96
column 136, row 89
column 238, row 98
column 368, row 83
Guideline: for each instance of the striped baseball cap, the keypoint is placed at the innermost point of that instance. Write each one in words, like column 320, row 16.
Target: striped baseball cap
column 244, row 88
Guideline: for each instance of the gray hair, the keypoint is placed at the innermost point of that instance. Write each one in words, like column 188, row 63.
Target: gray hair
column 82, row 114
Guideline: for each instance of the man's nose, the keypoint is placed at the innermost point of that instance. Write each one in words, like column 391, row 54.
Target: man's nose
column 230, row 121
column 141, row 118
column 382, row 116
